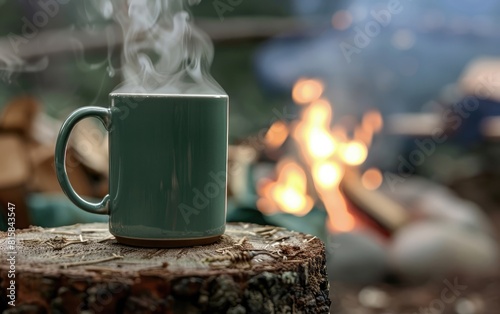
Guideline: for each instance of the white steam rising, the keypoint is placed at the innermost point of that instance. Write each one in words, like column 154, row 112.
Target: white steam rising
column 11, row 63
column 163, row 51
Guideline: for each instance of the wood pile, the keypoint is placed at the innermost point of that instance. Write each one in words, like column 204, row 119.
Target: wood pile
column 27, row 142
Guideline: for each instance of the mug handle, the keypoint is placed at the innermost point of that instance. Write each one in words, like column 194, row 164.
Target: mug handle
column 104, row 115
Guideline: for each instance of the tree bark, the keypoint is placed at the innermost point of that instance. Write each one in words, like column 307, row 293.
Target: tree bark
column 81, row 268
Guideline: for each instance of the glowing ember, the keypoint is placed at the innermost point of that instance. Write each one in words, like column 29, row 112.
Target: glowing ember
column 354, row 153
column 307, row 90
column 372, row 179
column 277, row 134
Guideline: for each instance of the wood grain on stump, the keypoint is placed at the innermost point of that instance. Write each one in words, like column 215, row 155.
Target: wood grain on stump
column 251, row 269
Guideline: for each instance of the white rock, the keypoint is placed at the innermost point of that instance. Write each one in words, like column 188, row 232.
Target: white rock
column 357, row 257
column 372, row 297
column 411, row 189
column 423, row 197
column 435, row 248
column 445, row 206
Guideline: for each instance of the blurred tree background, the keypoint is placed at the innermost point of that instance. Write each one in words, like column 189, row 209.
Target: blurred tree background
column 81, row 72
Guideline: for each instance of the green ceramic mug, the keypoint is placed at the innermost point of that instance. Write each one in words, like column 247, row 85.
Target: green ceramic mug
column 167, row 167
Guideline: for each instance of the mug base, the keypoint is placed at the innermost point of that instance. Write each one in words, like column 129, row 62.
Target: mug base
column 162, row 243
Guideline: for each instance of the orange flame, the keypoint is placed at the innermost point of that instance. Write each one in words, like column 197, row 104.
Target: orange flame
column 326, row 151
column 313, row 132
column 339, row 217
column 327, row 175
column 318, row 113
column 319, row 145
column 354, row 153
column 307, row 90
column 289, row 192
column 277, row 134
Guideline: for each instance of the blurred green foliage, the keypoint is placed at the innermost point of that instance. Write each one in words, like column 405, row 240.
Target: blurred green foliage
column 80, row 78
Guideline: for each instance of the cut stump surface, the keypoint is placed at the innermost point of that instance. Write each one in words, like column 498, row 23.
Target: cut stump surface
column 251, row 269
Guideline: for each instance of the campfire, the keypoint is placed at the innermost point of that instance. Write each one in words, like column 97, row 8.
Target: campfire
column 327, row 154
column 318, row 165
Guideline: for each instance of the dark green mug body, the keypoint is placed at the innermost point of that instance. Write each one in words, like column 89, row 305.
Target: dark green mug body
column 167, row 167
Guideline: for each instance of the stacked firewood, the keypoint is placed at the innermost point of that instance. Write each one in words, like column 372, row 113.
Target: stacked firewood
column 27, row 142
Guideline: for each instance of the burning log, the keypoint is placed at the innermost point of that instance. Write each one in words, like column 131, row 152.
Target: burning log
column 252, row 269
column 382, row 210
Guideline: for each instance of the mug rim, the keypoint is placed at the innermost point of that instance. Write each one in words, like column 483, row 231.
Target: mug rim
column 155, row 94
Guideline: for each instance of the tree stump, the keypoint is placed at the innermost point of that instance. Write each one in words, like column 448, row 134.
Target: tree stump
column 81, row 268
